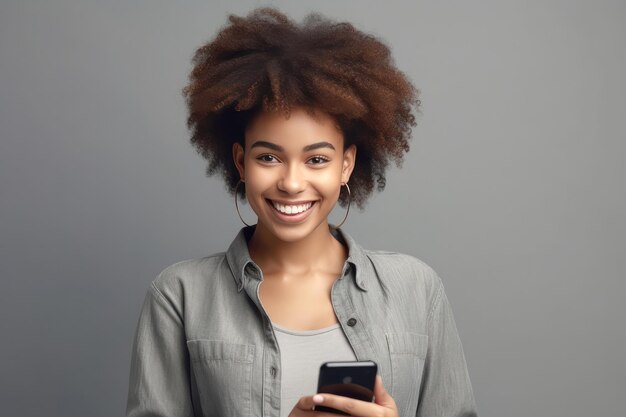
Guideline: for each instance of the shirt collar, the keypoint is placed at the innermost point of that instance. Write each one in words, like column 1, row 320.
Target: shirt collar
column 243, row 267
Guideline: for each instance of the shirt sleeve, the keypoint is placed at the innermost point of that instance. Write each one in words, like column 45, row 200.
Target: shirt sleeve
column 159, row 383
column 446, row 389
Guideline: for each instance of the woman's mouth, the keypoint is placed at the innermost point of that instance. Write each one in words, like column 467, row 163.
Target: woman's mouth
column 293, row 212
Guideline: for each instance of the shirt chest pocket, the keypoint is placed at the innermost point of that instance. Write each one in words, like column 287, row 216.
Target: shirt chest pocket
column 408, row 353
column 223, row 373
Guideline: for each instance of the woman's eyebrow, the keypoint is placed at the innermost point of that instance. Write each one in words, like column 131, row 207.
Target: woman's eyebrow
column 318, row 145
column 273, row 146
column 270, row 145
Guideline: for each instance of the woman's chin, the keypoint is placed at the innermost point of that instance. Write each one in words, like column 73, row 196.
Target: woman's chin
column 291, row 232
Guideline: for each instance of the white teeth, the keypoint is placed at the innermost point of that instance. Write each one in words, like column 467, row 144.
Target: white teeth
column 291, row 209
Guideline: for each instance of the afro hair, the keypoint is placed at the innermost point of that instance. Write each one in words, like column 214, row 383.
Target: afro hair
column 266, row 62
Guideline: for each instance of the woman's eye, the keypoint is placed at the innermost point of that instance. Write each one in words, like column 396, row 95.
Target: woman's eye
column 318, row 159
column 267, row 158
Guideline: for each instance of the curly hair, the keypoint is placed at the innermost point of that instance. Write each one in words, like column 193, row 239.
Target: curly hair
column 266, row 62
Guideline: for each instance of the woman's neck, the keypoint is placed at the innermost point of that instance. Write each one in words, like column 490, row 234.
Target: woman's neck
column 318, row 251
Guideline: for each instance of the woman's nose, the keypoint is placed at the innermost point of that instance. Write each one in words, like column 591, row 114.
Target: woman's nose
column 292, row 181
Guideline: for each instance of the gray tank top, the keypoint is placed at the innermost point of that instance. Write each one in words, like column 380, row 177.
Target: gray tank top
column 301, row 354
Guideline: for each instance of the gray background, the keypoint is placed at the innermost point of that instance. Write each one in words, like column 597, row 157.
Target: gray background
column 513, row 190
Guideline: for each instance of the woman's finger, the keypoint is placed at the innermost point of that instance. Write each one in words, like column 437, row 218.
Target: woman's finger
column 305, row 403
column 381, row 396
column 348, row 405
column 382, row 401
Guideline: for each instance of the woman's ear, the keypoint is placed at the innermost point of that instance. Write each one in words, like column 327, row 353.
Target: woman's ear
column 349, row 158
column 238, row 158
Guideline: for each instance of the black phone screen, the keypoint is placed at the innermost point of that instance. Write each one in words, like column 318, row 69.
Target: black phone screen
column 349, row 379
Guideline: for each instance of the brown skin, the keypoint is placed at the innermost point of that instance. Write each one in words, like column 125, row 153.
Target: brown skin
column 300, row 260
column 299, row 257
column 383, row 405
column 266, row 61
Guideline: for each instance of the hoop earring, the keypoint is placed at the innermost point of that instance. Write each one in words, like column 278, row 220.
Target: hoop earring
column 348, row 210
column 237, row 203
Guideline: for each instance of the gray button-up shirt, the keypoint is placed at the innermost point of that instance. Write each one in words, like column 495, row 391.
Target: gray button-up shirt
column 204, row 346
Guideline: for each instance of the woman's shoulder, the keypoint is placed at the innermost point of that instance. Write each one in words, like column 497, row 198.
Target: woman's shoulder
column 190, row 273
column 392, row 267
column 403, row 269
column 397, row 258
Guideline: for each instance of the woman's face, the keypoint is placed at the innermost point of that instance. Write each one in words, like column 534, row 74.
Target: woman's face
column 293, row 170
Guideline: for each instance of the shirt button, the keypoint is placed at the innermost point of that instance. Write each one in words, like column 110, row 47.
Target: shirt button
column 351, row 322
column 273, row 371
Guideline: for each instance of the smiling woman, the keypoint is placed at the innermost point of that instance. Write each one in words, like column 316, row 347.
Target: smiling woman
column 297, row 118
column 293, row 170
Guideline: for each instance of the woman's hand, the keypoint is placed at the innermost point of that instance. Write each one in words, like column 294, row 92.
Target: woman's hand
column 383, row 405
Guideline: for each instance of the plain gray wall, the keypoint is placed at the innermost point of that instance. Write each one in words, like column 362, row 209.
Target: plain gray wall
column 513, row 190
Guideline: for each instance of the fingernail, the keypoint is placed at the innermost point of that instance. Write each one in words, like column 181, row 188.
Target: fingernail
column 318, row 399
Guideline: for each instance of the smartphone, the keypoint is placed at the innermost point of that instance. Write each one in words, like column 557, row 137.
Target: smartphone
column 354, row 379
